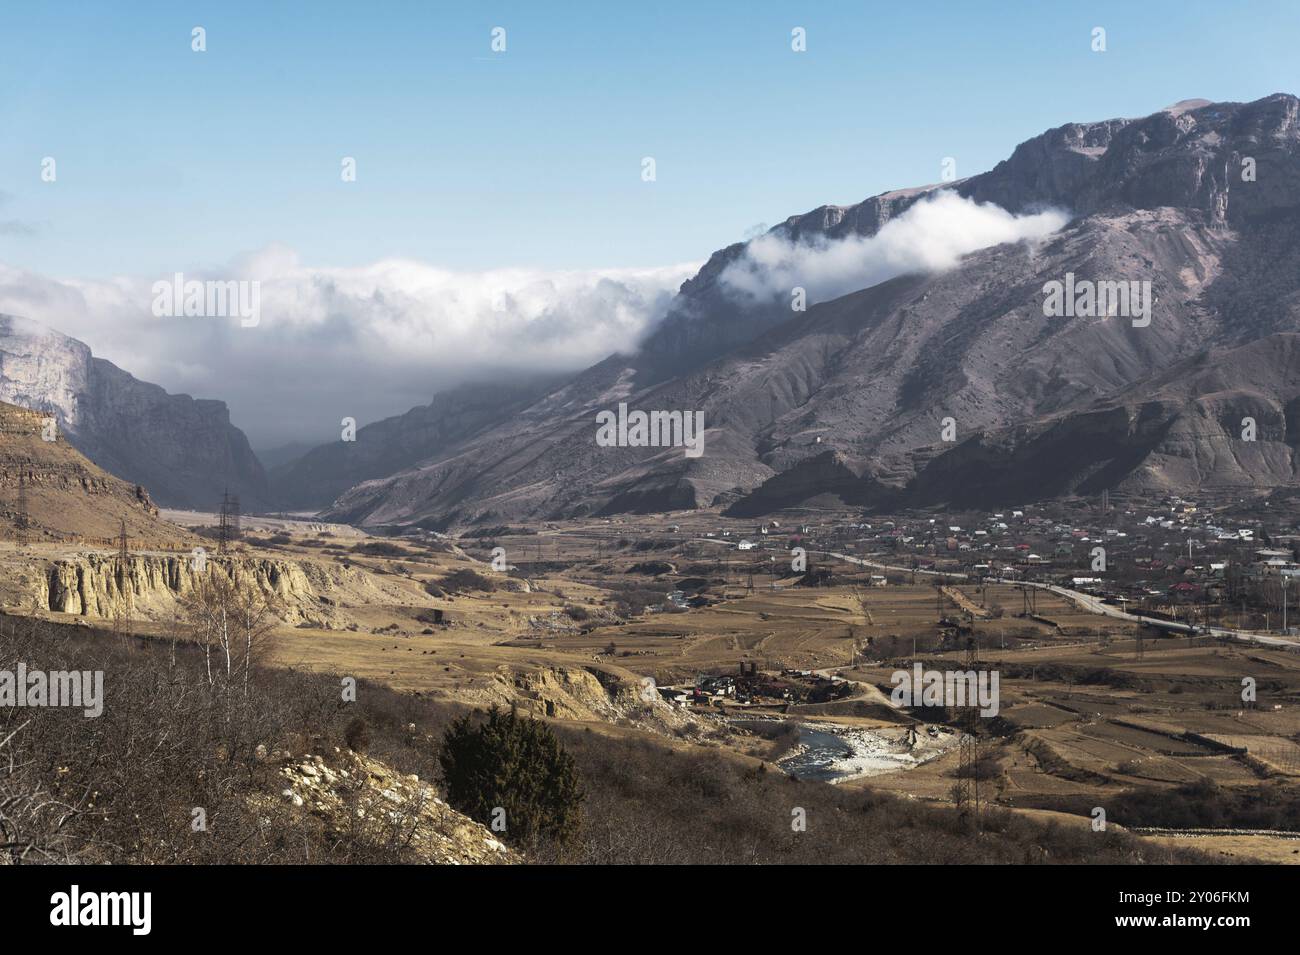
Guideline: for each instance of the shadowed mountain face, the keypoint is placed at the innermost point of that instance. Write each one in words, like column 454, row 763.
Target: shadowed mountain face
column 851, row 397
column 1221, row 421
column 184, row 451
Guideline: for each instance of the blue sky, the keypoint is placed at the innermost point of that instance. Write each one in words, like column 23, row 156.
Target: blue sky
column 499, row 224
column 170, row 159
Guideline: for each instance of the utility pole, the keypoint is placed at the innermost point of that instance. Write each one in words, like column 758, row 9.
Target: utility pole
column 1284, row 583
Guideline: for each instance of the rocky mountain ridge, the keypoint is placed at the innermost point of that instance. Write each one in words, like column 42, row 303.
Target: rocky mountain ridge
column 67, row 498
column 1200, row 200
column 183, row 450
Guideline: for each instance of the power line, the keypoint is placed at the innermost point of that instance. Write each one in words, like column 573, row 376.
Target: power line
column 22, row 523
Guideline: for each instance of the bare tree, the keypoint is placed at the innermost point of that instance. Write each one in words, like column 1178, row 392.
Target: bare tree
column 207, row 610
column 231, row 620
column 257, row 616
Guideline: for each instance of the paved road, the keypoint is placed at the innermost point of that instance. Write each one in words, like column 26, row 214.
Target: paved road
column 902, row 570
column 1088, row 602
column 1094, row 604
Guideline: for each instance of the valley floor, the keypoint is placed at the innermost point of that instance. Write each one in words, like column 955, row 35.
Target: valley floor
column 582, row 629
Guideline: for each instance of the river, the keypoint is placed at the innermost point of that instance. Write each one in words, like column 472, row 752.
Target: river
column 836, row 753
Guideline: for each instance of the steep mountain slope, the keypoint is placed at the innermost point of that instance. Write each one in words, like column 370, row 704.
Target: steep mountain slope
column 184, row 451
column 1189, row 429
column 870, row 377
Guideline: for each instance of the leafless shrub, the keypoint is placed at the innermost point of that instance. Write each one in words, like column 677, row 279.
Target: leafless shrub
column 357, row 735
column 182, row 767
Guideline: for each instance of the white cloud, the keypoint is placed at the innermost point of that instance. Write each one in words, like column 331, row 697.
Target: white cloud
column 375, row 340
column 368, row 341
column 931, row 236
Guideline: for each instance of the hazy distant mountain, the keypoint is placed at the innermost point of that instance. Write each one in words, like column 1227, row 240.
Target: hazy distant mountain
column 315, row 479
column 183, row 450
column 1201, row 200
column 282, row 455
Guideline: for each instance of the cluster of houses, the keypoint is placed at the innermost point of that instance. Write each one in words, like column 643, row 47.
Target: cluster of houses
column 754, row 688
column 1173, row 551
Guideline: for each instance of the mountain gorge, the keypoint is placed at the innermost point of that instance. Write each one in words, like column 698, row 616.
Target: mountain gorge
column 385, row 447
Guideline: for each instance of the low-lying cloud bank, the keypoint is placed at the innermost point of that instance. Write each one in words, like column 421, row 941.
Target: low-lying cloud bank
column 372, row 341
column 365, row 342
column 931, row 236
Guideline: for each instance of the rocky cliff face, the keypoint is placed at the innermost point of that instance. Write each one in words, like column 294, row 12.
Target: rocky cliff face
column 184, row 451
column 99, row 585
column 1187, row 156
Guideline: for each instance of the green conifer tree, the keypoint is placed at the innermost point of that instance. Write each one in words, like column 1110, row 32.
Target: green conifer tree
column 516, row 766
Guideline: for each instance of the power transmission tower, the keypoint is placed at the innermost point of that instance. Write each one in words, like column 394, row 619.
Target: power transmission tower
column 122, row 618
column 22, row 523
column 222, row 534
column 1029, row 600
column 227, row 521
column 966, row 794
